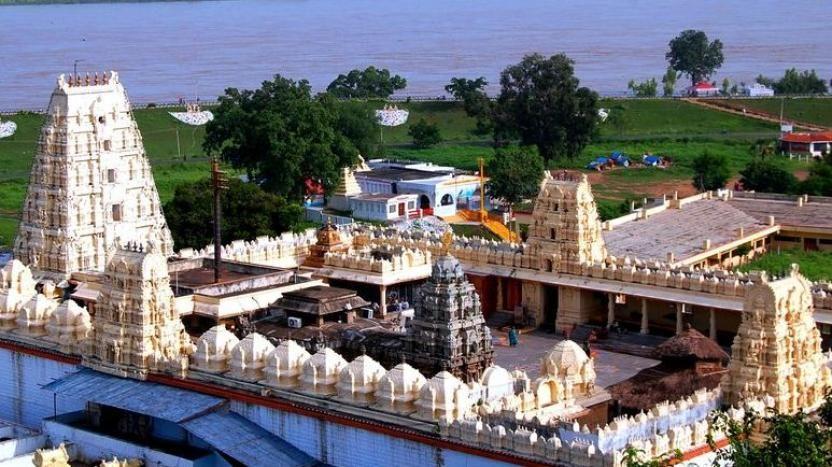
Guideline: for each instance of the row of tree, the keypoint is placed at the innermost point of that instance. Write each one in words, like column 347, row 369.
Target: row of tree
column 691, row 53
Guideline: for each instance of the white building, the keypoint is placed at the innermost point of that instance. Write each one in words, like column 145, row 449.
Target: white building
column 384, row 206
column 757, row 90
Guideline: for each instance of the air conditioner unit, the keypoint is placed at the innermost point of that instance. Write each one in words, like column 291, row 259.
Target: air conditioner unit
column 294, row 322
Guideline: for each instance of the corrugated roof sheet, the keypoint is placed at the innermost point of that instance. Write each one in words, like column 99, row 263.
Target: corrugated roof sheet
column 245, row 441
column 156, row 400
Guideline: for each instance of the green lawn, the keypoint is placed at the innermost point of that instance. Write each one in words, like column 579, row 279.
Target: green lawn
column 672, row 127
column 817, row 110
column 815, row 265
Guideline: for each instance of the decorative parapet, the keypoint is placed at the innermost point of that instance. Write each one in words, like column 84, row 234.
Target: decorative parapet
column 384, row 259
column 682, row 425
column 286, row 250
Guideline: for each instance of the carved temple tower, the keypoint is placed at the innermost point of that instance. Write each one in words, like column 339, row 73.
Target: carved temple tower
column 776, row 354
column 136, row 328
column 566, row 230
column 448, row 331
column 90, row 184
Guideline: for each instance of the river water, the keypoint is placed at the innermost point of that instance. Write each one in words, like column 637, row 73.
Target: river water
column 183, row 49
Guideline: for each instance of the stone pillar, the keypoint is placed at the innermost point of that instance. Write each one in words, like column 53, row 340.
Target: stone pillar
column 500, row 300
column 611, row 311
column 680, row 311
column 712, row 327
column 382, row 300
column 644, row 327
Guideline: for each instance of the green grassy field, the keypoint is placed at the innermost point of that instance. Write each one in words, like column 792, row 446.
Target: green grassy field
column 671, row 127
column 817, row 110
column 815, row 265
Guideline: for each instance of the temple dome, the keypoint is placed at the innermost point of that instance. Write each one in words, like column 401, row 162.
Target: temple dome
column 284, row 364
column 443, row 397
column 566, row 358
column 33, row 316
column 213, row 349
column 358, row 380
column 321, row 371
column 249, row 357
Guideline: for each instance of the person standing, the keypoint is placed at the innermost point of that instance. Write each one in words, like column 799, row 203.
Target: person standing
column 512, row 337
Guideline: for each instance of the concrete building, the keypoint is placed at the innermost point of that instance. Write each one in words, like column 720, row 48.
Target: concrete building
column 815, row 144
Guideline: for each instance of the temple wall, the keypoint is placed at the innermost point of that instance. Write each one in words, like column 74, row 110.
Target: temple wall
column 22, row 398
column 577, row 306
column 341, row 445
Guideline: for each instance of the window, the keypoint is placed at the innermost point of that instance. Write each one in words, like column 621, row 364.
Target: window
column 411, row 205
column 111, row 175
column 447, row 200
column 391, row 209
column 108, row 145
column 553, row 234
column 117, row 212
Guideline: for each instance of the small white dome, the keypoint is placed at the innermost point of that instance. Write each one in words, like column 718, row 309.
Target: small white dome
column 405, row 378
column 565, row 358
column 288, row 355
column 365, row 370
column 444, row 385
column 326, row 362
column 495, row 376
column 253, row 347
column 216, row 341
column 69, row 313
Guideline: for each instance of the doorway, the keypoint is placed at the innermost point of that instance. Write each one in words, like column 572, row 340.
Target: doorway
column 550, row 306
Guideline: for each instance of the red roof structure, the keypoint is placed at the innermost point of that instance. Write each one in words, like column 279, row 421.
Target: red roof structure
column 807, row 137
column 705, row 86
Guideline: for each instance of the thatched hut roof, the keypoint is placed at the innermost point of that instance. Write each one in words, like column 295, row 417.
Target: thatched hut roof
column 690, row 344
column 661, row 383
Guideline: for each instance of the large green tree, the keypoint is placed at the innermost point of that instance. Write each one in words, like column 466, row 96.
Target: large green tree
column 692, row 54
column 248, row 212
column 425, row 134
column 282, row 136
column 514, row 174
column 370, row 83
column 542, row 103
column 710, row 171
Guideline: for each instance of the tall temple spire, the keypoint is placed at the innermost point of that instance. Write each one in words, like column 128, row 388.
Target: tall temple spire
column 90, row 185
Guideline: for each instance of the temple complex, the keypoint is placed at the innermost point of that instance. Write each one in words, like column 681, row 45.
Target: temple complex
column 105, row 333
column 91, row 186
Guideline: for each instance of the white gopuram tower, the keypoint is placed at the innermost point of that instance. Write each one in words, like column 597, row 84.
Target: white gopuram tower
column 90, row 185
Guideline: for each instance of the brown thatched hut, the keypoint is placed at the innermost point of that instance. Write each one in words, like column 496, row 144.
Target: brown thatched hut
column 690, row 361
column 691, row 349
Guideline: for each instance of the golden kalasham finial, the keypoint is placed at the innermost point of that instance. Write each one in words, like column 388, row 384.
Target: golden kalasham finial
column 447, row 241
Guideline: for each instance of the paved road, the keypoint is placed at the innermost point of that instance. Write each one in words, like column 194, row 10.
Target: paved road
column 610, row 367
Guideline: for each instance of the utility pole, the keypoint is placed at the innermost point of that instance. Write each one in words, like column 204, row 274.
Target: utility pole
column 483, row 214
column 219, row 183
column 178, row 147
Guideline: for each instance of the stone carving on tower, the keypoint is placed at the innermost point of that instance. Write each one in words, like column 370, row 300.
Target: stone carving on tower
column 448, row 331
column 90, row 182
column 566, row 230
column 136, row 328
column 776, row 355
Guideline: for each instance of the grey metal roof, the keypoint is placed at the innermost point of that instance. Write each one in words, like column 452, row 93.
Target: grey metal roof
column 245, row 441
column 156, row 400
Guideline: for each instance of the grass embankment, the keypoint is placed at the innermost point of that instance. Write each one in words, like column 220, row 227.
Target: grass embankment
column 671, row 127
column 815, row 265
column 817, row 110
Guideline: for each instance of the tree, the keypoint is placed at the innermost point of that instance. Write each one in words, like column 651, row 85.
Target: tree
column 474, row 99
column 764, row 174
column 791, row 440
column 805, row 82
column 648, row 88
column 370, row 83
column 514, row 174
column 635, row 458
column 710, row 171
column 669, row 82
column 424, row 134
column 282, row 136
column 248, row 212
column 819, row 182
column 726, row 87
column 692, row 54
column 542, row 103
column 355, row 120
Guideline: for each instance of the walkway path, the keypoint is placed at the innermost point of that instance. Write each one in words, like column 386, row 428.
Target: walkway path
column 751, row 113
